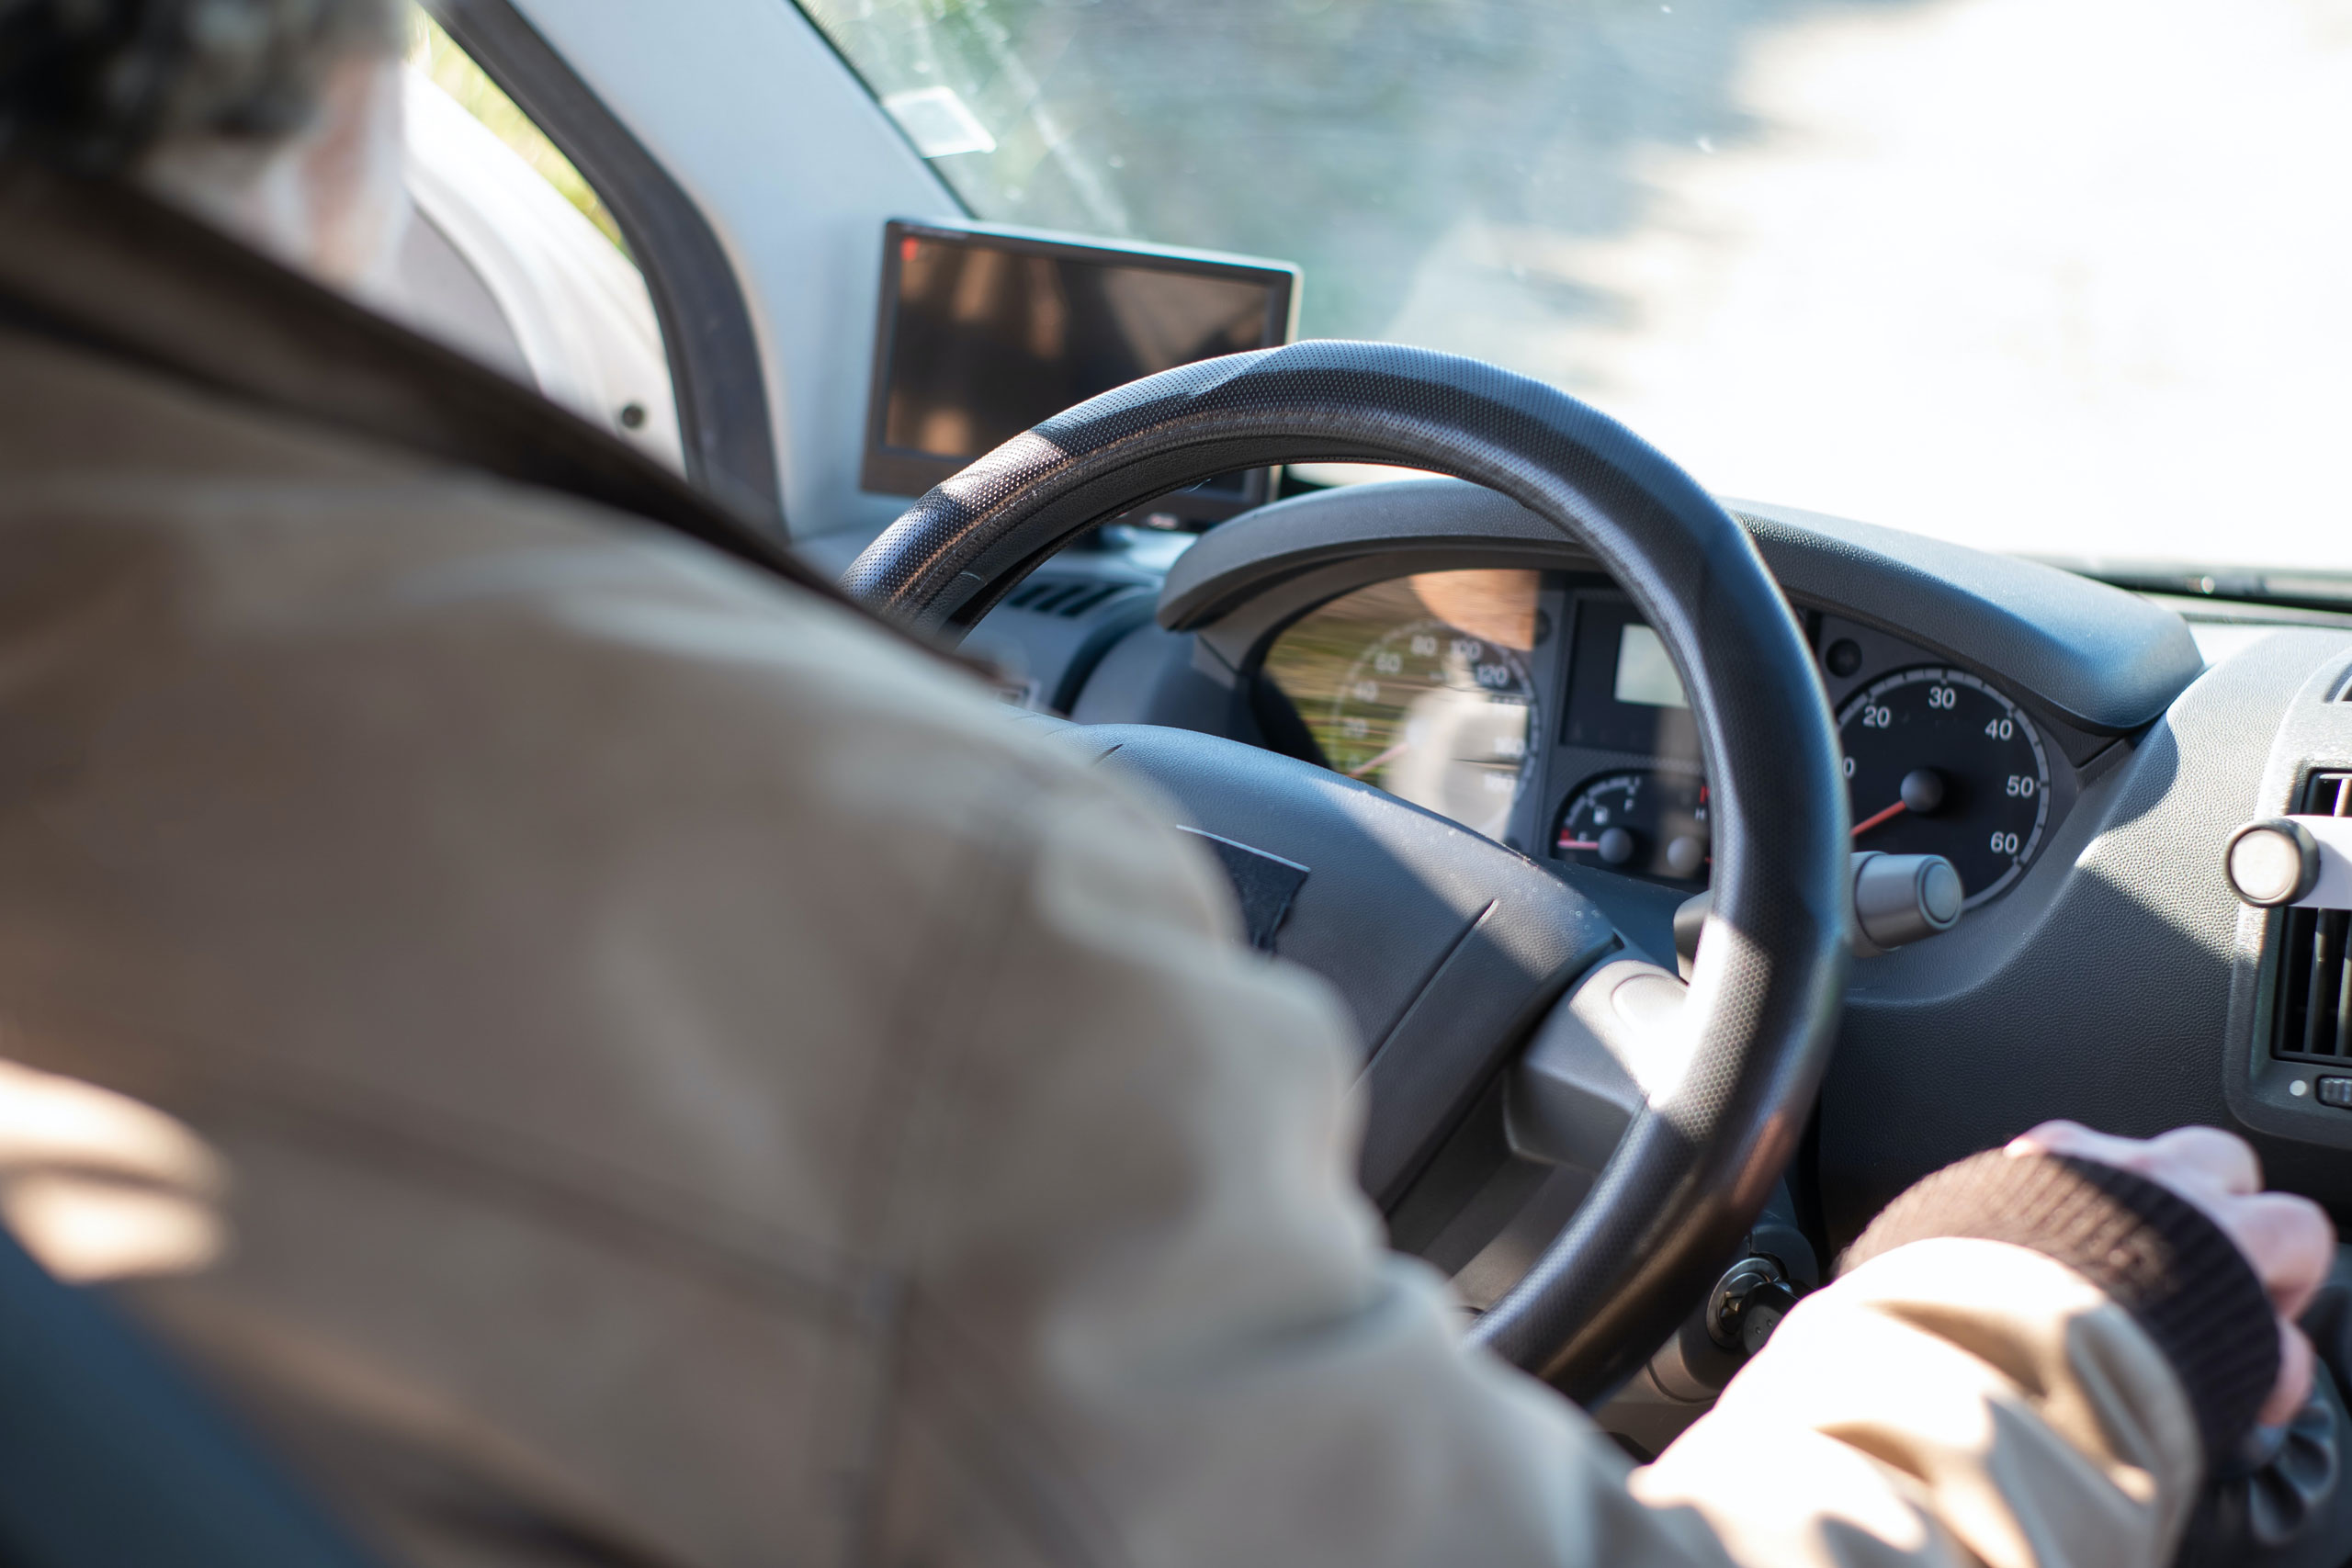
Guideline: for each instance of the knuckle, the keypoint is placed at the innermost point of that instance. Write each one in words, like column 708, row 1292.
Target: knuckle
column 2223, row 1156
column 2309, row 1223
column 2288, row 1239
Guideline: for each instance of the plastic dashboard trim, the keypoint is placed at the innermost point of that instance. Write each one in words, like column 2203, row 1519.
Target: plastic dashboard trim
column 2101, row 658
column 2314, row 734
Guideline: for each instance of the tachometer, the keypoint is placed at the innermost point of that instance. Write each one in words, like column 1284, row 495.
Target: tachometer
column 1938, row 762
column 1647, row 822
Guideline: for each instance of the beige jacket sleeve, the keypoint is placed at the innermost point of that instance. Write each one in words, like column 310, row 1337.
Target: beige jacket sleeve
column 686, row 1057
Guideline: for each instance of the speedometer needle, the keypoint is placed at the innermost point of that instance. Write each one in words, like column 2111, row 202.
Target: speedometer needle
column 1889, row 814
column 1398, row 750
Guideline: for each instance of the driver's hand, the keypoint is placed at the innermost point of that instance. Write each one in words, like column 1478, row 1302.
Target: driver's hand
column 2288, row 1239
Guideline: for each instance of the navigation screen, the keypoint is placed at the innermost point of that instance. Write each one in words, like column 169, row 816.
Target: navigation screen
column 983, row 336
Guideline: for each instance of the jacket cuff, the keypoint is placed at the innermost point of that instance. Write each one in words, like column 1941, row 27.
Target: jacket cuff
column 2156, row 1254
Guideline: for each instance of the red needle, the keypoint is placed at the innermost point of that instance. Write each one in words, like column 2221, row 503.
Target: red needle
column 1568, row 843
column 1889, row 814
column 1390, row 755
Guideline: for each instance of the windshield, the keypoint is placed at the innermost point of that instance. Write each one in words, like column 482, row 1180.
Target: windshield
column 2061, row 277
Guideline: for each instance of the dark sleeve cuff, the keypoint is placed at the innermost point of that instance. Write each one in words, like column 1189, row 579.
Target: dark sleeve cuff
column 2156, row 1253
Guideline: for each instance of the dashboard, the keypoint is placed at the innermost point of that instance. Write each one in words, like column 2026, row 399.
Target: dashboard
column 2064, row 743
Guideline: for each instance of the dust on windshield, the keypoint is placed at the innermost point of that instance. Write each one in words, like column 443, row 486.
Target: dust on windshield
column 2061, row 277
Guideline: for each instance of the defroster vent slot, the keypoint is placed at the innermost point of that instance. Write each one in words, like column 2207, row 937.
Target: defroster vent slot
column 1067, row 597
column 2314, row 991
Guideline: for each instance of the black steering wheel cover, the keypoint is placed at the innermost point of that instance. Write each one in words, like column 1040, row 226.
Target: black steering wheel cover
column 1695, row 1167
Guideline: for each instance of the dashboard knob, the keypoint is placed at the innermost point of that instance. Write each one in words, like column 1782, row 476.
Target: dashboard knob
column 1898, row 899
column 1685, row 853
column 1616, row 846
column 2272, row 862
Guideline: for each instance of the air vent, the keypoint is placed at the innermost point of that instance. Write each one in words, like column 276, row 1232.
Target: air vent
column 2315, row 961
column 1069, row 597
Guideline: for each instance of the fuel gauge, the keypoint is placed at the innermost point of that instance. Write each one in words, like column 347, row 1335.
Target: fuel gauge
column 1645, row 822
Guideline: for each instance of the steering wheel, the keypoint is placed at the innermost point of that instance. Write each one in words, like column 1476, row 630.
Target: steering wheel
column 1485, row 940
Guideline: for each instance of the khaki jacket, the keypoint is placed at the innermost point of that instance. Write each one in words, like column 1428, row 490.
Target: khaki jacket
column 595, row 1048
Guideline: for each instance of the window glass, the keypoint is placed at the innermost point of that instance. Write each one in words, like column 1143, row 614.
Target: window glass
column 512, row 258
column 2062, row 276
column 449, row 68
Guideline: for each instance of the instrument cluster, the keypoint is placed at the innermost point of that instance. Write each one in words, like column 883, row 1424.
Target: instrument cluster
column 1537, row 708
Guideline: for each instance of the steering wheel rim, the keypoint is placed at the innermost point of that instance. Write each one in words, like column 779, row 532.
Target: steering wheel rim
column 1696, row 1164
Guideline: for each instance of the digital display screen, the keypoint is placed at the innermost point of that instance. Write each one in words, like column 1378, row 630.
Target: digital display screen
column 1623, row 694
column 1645, row 675
column 983, row 336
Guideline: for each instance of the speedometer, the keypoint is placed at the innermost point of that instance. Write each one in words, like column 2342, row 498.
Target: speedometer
column 1421, row 685
column 1439, row 717
column 1938, row 762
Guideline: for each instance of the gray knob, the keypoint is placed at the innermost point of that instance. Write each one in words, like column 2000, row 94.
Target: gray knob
column 1685, row 854
column 1897, row 900
column 1900, row 898
column 1616, row 846
column 2272, row 862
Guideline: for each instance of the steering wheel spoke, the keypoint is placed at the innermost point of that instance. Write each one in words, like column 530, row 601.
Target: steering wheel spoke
column 1619, row 1039
column 1445, row 946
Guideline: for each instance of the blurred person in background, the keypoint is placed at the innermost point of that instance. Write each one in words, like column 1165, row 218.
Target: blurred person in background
column 508, row 994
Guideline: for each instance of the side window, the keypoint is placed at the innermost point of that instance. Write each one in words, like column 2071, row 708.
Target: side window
column 514, row 259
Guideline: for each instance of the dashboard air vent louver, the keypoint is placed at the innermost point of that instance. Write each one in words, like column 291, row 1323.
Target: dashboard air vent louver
column 1069, row 597
column 2314, row 958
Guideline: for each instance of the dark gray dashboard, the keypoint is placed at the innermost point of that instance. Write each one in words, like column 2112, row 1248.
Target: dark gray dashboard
column 2115, row 980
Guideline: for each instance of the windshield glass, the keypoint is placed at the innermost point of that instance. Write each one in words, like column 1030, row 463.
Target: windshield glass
column 2061, row 277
